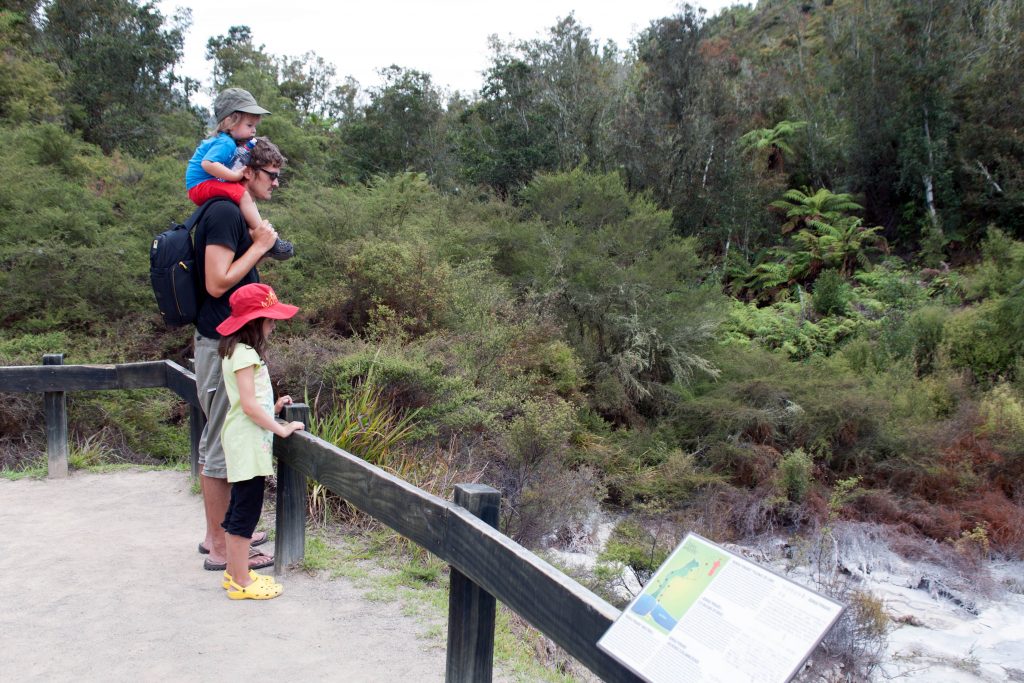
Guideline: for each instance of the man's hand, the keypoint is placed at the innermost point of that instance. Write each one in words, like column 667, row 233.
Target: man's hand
column 264, row 236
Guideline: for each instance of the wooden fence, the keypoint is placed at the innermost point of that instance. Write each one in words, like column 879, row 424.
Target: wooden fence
column 485, row 564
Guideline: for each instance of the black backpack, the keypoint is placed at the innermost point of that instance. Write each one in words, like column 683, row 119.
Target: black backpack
column 172, row 271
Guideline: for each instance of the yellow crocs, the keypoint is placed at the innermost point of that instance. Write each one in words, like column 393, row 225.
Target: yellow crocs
column 257, row 590
column 253, row 576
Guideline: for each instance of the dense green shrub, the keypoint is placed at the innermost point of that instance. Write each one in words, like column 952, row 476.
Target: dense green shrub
column 831, row 293
column 672, row 483
column 762, row 406
column 28, row 349
column 588, row 201
column 787, row 326
column 1000, row 269
column 541, row 492
column 627, row 290
column 795, row 474
column 641, row 466
column 893, row 285
column 863, row 356
column 393, row 288
column 974, row 341
column 74, row 246
column 28, row 83
column 1002, row 412
column 926, row 327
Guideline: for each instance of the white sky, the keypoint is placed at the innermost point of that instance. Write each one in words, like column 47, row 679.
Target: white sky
column 445, row 38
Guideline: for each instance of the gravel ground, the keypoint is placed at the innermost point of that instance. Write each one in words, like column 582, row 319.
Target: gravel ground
column 101, row 581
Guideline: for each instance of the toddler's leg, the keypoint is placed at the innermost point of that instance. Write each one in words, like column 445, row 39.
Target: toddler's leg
column 249, row 211
column 282, row 249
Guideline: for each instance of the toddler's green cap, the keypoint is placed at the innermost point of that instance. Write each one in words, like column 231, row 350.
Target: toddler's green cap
column 231, row 100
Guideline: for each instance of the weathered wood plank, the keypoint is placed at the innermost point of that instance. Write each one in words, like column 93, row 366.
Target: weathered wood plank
column 290, row 539
column 196, row 416
column 34, row 378
column 561, row 608
column 471, row 609
column 145, row 375
column 412, row 512
column 43, row 378
column 181, row 381
column 56, row 415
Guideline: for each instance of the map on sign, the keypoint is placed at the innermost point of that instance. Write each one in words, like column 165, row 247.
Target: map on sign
column 708, row 615
column 681, row 580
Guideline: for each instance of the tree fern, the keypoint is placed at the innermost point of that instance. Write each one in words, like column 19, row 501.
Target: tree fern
column 802, row 206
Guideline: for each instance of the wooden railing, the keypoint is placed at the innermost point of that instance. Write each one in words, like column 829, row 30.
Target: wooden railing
column 485, row 564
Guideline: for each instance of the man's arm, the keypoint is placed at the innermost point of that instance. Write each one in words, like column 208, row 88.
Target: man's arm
column 222, row 273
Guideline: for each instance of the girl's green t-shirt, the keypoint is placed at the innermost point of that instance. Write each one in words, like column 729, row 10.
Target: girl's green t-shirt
column 247, row 446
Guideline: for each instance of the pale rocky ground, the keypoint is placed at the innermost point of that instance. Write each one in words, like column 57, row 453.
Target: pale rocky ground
column 101, row 581
column 947, row 626
column 951, row 625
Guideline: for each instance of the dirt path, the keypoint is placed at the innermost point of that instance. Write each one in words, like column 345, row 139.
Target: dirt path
column 100, row 580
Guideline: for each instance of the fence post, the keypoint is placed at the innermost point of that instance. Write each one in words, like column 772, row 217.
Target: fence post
column 196, row 424
column 290, row 541
column 55, row 410
column 470, row 607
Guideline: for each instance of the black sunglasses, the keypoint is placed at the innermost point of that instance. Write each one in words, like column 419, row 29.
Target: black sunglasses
column 270, row 174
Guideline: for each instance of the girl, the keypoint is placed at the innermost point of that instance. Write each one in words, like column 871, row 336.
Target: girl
column 249, row 429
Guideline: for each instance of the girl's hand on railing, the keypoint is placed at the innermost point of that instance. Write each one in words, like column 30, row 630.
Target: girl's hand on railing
column 289, row 427
column 285, row 400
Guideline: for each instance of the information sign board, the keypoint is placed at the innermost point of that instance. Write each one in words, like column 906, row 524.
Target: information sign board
column 710, row 616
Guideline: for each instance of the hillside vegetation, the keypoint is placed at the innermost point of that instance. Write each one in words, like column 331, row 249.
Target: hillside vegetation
column 717, row 277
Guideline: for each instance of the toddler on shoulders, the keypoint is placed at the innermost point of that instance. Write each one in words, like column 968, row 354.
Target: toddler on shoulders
column 217, row 166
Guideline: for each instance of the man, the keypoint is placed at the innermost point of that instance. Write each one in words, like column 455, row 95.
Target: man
column 226, row 257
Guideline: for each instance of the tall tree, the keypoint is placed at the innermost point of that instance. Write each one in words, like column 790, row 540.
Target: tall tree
column 546, row 104
column 928, row 31
column 576, row 83
column 507, row 135
column 308, row 81
column 118, row 59
column 239, row 62
column 660, row 142
column 401, row 128
column 990, row 137
column 898, row 68
column 677, row 130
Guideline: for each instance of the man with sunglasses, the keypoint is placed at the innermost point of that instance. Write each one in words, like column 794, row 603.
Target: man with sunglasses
column 227, row 253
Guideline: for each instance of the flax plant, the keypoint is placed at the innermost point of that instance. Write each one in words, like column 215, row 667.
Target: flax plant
column 368, row 426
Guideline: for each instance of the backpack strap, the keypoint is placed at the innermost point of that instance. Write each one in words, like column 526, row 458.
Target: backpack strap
column 189, row 224
column 192, row 220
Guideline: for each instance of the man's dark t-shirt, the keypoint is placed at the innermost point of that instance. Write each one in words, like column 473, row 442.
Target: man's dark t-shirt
column 221, row 224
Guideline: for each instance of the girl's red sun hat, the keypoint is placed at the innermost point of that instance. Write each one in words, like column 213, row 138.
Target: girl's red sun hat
column 252, row 301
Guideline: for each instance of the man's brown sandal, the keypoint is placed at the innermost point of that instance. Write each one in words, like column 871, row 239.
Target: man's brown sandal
column 258, row 538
